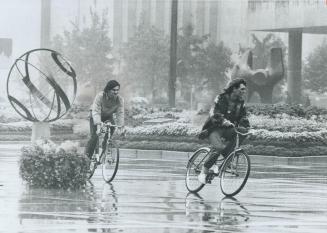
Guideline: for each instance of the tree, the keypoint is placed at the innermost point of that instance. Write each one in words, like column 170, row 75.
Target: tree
column 89, row 50
column 145, row 59
column 201, row 63
column 315, row 69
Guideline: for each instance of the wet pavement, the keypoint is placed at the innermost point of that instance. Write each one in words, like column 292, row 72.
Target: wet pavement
column 149, row 195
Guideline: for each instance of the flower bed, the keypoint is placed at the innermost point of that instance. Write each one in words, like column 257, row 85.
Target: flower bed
column 273, row 126
column 47, row 165
column 318, row 137
column 286, row 123
column 167, row 129
column 275, row 110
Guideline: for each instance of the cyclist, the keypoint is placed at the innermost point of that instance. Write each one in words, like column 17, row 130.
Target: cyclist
column 106, row 103
column 228, row 111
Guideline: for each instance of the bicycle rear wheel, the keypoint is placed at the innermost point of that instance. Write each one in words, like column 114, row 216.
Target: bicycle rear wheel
column 234, row 173
column 193, row 169
column 92, row 167
column 110, row 161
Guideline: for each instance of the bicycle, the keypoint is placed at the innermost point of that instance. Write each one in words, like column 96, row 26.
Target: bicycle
column 107, row 155
column 233, row 170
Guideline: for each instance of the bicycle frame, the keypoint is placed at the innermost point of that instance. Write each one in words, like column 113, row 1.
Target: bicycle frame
column 103, row 146
column 236, row 149
column 105, row 130
column 234, row 164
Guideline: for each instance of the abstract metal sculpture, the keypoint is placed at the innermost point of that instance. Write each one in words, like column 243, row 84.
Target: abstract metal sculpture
column 261, row 81
column 41, row 85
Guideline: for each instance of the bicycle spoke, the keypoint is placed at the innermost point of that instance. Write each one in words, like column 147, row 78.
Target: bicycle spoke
column 193, row 170
column 92, row 166
column 110, row 164
column 234, row 174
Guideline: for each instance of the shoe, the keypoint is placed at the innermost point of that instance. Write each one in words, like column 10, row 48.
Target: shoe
column 202, row 177
column 88, row 155
column 215, row 169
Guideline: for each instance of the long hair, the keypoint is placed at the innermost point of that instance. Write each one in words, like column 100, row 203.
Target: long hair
column 110, row 85
column 235, row 83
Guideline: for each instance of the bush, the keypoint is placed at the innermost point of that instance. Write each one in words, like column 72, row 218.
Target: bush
column 296, row 110
column 286, row 123
column 166, row 129
column 140, row 101
column 47, row 165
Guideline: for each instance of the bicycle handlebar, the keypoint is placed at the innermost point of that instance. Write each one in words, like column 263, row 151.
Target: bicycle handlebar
column 108, row 123
column 105, row 127
column 240, row 133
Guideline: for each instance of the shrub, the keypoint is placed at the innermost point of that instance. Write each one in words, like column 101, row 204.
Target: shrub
column 286, row 123
column 166, row 129
column 141, row 101
column 296, row 110
column 47, row 165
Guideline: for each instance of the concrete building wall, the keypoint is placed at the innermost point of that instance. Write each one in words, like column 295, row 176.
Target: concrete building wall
column 232, row 29
column 228, row 21
column 293, row 17
column 263, row 14
column 223, row 20
column 20, row 22
column 290, row 14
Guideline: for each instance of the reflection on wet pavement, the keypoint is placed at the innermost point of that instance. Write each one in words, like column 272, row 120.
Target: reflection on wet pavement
column 282, row 195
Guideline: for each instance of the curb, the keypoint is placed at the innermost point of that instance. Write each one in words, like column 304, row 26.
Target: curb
column 14, row 147
column 155, row 154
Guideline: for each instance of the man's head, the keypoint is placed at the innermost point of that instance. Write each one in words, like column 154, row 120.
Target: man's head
column 237, row 89
column 112, row 88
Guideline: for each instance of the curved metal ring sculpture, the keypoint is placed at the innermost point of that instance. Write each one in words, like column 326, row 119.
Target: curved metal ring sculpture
column 41, row 85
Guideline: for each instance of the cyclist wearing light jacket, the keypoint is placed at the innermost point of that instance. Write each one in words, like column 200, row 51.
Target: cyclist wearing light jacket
column 228, row 111
column 106, row 103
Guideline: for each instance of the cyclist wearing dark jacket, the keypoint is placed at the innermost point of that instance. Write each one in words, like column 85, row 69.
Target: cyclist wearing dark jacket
column 228, row 111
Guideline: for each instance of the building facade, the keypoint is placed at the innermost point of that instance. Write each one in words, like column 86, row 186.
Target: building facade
column 301, row 23
column 223, row 20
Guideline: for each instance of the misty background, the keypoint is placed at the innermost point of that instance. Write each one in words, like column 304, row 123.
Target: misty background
column 129, row 40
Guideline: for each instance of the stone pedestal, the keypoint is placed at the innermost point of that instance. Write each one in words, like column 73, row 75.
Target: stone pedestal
column 40, row 130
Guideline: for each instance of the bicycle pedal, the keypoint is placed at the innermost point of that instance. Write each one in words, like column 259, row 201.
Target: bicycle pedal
column 209, row 177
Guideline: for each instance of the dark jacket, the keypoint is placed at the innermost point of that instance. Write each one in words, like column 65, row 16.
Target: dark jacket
column 224, row 110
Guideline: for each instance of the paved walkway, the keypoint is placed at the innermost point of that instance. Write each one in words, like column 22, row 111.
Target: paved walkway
column 283, row 195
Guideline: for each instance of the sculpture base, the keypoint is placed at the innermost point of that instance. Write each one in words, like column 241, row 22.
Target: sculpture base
column 40, row 130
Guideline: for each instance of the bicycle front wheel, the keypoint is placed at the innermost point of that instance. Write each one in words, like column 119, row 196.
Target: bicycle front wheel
column 110, row 161
column 234, row 173
column 193, row 169
column 92, row 166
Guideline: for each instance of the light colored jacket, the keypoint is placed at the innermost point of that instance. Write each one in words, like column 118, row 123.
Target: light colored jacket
column 104, row 107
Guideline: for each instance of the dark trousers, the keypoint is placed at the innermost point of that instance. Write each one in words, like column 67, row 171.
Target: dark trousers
column 216, row 140
column 94, row 138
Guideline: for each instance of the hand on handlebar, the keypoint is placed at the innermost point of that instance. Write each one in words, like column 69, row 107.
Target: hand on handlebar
column 228, row 124
column 243, row 129
column 99, row 126
column 122, row 131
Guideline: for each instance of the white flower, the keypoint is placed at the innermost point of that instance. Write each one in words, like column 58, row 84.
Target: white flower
column 68, row 147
